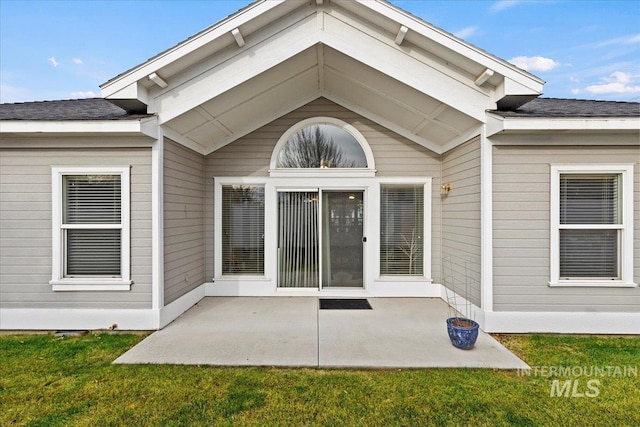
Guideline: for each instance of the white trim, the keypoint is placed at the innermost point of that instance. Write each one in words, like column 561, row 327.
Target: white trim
column 90, row 285
column 486, row 220
column 322, row 173
column 157, row 221
column 322, row 120
column 58, row 281
column 173, row 310
column 559, row 322
column 449, row 41
column 80, row 127
column 626, row 245
column 96, row 318
column 188, row 46
column 77, row 318
column 562, row 322
column 499, row 124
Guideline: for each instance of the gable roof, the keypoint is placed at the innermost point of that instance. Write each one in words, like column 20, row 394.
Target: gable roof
column 568, row 108
column 66, row 110
column 274, row 56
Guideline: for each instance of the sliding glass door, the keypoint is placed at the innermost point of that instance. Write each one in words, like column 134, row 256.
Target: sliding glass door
column 320, row 238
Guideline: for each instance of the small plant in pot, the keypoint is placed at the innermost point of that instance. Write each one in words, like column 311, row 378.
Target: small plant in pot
column 458, row 279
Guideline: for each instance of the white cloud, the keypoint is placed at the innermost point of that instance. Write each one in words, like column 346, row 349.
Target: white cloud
column 501, row 5
column 625, row 40
column 77, row 61
column 53, row 61
column 466, row 32
column 534, row 63
column 618, row 82
column 80, row 94
column 575, row 91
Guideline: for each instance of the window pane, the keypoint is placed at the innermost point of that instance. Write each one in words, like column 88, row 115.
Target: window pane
column 242, row 229
column 589, row 254
column 590, row 199
column 91, row 199
column 93, row 253
column 402, row 230
column 322, row 146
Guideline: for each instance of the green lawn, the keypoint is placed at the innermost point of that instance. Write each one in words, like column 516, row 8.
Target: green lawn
column 51, row 381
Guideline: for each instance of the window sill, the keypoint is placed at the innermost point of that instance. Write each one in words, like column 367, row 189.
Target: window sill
column 592, row 284
column 403, row 278
column 90, row 285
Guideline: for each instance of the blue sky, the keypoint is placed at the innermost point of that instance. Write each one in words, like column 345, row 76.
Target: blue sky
column 65, row 49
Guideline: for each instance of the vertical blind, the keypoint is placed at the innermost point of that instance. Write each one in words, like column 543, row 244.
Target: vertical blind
column 298, row 240
column 242, row 229
column 401, row 230
column 587, row 202
column 91, row 204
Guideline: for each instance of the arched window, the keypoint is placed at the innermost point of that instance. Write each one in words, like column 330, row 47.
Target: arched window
column 324, row 145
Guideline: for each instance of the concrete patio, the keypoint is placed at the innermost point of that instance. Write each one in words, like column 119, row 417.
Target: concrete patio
column 292, row 331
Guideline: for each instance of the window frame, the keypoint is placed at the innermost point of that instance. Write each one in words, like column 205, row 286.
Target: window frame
column 625, row 245
column 368, row 171
column 426, row 230
column 219, row 183
column 58, row 255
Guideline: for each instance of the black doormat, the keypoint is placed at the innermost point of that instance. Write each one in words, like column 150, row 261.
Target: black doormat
column 344, row 304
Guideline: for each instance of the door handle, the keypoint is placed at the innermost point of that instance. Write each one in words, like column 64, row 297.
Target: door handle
column 364, row 240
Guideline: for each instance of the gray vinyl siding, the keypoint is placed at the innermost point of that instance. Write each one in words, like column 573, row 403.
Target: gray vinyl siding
column 461, row 220
column 521, row 230
column 394, row 156
column 183, row 220
column 26, row 228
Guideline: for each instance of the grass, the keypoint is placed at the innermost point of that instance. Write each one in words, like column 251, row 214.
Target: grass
column 52, row 381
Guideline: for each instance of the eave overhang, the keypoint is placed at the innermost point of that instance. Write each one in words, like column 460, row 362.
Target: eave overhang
column 146, row 127
column 497, row 125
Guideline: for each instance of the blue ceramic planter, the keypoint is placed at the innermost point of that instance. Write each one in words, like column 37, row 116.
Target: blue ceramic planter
column 462, row 337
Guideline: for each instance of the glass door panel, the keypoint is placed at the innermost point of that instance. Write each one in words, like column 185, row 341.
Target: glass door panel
column 298, row 240
column 342, row 235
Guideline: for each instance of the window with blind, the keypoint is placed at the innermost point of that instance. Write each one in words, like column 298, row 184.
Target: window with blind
column 91, row 225
column 402, row 229
column 591, row 225
column 243, row 229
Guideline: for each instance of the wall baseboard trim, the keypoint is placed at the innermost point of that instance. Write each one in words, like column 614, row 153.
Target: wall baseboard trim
column 151, row 319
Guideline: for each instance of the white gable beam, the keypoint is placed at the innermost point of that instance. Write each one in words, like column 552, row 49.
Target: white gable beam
column 406, row 69
column 246, row 64
column 194, row 43
column 258, row 122
column 238, row 37
column 383, row 122
column 401, row 35
column 482, row 78
column 447, row 40
column 154, row 77
column 189, row 143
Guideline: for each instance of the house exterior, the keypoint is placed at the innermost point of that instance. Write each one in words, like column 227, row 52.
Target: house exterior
column 327, row 148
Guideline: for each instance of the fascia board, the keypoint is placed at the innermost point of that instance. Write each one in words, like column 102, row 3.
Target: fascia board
column 144, row 127
column 450, row 41
column 196, row 42
column 579, row 124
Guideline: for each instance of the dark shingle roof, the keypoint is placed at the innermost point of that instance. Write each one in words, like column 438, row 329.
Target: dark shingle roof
column 74, row 109
column 573, row 108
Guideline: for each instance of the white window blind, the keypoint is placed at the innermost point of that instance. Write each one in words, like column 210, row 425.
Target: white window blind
column 242, row 229
column 590, row 226
column 402, row 230
column 92, row 225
